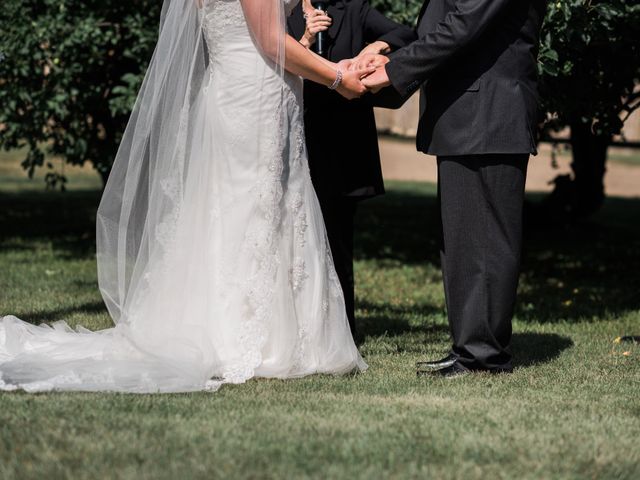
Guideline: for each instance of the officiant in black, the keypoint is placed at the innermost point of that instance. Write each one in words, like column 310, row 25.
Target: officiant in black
column 341, row 134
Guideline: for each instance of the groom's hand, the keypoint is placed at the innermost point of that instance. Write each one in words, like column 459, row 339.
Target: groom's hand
column 345, row 65
column 377, row 80
column 368, row 60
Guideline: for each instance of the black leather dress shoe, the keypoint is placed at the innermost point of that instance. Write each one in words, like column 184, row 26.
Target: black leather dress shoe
column 437, row 364
column 452, row 371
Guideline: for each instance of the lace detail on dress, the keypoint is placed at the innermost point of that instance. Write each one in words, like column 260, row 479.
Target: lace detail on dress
column 231, row 259
column 300, row 146
column 218, row 16
column 224, row 19
column 296, row 204
column 299, row 218
column 297, row 273
column 260, row 243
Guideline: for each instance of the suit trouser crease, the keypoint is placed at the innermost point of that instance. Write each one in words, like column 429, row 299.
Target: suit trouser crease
column 481, row 198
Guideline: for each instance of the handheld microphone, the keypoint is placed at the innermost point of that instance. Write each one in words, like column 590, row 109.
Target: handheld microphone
column 321, row 37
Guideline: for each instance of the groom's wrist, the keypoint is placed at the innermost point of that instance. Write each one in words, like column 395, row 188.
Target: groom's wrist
column 402, row 83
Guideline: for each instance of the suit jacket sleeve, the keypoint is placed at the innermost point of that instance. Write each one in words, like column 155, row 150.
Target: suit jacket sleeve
column 377, row 27
column 412, row 65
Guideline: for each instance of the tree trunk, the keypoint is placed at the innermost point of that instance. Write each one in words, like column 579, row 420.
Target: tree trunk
column 581, row 194
column 589, row 159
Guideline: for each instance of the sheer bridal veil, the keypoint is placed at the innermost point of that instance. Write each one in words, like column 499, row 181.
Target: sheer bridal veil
column 145, row 191
column 138, row 226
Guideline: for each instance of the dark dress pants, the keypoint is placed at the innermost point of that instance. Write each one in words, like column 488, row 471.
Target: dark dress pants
column 339, row 213
column 481, row 199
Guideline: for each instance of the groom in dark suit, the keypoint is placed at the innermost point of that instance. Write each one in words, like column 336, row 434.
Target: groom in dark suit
column 476, row 63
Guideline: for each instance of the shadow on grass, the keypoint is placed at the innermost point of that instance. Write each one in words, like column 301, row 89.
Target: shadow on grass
column 532, row 349
column 583, row 271
column 393, row 321
column 390, row 330
column 387, row 324
column 67, row 219
column 577, row 272
column 401, row 225
column 54, row 315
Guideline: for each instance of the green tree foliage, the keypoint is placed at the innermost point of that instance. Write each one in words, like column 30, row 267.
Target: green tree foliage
column 589, row 66
column 403, row 11
column 69, row 72
column 589, row 70
column 590, row 62
column 589, row 59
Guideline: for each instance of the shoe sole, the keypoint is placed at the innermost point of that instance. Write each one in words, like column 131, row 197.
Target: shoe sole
column 433, row 373
column 431, row 368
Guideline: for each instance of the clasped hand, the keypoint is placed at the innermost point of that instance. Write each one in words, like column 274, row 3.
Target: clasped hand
column 365, row 73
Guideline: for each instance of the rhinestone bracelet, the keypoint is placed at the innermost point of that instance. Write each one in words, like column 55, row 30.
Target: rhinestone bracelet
column 337, row 81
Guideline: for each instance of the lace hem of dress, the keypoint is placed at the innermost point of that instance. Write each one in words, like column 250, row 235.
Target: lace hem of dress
column 261, row 243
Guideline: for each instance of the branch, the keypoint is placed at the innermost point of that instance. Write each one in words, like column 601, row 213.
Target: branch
column 631, row 104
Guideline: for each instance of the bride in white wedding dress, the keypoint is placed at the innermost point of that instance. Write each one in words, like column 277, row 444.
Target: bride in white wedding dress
column 212, row 254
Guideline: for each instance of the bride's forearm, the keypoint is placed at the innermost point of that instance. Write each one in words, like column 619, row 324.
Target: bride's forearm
column 322, row 59
column 305, row 63
column 264, row 20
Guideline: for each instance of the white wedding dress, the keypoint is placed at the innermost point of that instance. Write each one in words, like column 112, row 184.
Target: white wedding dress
column 237, row 279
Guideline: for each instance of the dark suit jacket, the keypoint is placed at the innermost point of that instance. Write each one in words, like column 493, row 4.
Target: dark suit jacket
column 341, row 135
column 476, row 63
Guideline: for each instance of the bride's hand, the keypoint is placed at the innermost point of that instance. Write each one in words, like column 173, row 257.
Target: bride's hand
column 351, row 86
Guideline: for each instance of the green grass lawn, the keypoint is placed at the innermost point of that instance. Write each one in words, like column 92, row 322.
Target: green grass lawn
column 625, row 156
column 570, row 410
